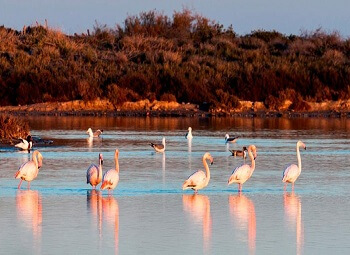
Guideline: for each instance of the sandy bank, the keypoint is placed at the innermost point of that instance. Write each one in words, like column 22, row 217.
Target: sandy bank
column 162, row 108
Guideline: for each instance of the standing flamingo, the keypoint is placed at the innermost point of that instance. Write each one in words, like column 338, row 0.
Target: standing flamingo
column 199, row 180
column 242, row 173
column 29, row 171
column 94, row 173
column 111, row 177
column 189, row 133
column 292, row 172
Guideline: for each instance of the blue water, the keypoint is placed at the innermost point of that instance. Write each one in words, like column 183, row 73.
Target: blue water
column 148, row 213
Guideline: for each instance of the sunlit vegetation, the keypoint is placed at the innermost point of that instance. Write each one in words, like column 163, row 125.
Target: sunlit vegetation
column 183, row 58
column 12, row 128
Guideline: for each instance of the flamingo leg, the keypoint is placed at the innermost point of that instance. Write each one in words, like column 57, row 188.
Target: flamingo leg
column 19, row 185
column 285, row 187
column 240, row 187
column 28, row 185
column 293, row 186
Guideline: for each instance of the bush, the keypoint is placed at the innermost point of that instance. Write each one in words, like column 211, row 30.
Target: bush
column 168, row 97
column 12, row 128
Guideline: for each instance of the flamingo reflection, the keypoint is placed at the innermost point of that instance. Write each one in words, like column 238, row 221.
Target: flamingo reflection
column 198, row 207
column 104, row 210
column 292, row 211
column 29, row 211
column 242, row 212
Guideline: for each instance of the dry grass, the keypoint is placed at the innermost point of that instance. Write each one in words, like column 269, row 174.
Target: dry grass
column 12, row 128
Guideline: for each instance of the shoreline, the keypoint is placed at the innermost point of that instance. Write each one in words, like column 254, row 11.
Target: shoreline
column 145, row 108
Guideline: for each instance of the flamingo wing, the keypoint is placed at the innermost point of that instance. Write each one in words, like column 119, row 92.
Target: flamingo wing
column 291, row 173
column 195, row 179
column 27, row 171
column 110, row 179
column 91, row 173
column 241, row 174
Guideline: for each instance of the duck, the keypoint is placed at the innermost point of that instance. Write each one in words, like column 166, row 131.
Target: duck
column 97, row 133
column 159, row 147
column 189, row 133
column 229, row 139
column 25, row 144
column 240, row 153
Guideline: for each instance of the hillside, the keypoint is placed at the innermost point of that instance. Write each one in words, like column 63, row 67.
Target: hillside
column 183, row 58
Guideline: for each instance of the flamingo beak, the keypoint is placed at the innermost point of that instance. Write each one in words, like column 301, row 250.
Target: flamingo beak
column 305, row 148
column 102, row 162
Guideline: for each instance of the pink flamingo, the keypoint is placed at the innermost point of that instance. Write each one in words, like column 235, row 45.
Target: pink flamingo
column 242, row 173
column 199, row 180
column 111, row 177
column 29, row 171
column 292, row 172
column 94, row 173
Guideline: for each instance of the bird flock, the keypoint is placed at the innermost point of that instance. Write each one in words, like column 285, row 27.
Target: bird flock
column 198, row 180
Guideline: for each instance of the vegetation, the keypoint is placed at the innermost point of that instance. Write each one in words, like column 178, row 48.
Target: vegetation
column 12, row 128
column 186, row 58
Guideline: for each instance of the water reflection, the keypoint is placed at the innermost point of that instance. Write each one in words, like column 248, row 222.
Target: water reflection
column 189, row 144
column 29, row 212
column 104, row 210
column 90, row 141
column 198, row 206
column 242, row 212
column 292, row 212
column 163, row 167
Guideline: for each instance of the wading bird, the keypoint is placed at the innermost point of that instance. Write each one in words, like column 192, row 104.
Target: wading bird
column 199, row 180
column 242, row 173
column 94, row 173
column 29, row 171
column 292, row 172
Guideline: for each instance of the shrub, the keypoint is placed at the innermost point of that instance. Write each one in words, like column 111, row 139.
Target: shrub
column 12, row 127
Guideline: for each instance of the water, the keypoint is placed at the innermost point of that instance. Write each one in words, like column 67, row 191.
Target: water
column 148, row 213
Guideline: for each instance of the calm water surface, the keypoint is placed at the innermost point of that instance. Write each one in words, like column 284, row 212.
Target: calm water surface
column 148, row 213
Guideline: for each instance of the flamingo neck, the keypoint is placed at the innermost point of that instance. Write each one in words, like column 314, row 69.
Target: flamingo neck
column 116, row 163
column 100, row 171
column 35, row 159
column 252, row 167
column 207, row 171
column 299, row 159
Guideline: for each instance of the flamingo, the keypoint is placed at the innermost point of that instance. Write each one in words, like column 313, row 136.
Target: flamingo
column 242, row 153
column 29, row 171
column 94, row 173
column 199, row 180
column 189, row 133
column 229, row 139
column 159, row 147
column 97, row 133
column 25, row 144
column 242, row 173
column 292, row 172
column 111, row 177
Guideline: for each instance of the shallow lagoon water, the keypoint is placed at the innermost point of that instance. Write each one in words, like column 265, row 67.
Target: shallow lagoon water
column 148, row 213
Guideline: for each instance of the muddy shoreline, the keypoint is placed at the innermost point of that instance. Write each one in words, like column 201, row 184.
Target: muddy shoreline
column 172, row 109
